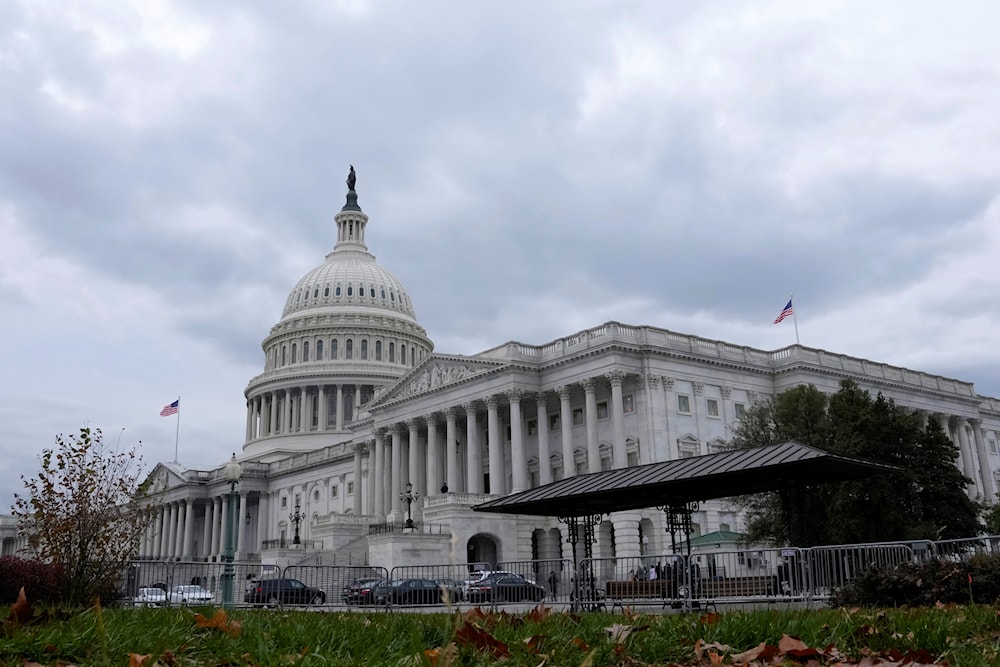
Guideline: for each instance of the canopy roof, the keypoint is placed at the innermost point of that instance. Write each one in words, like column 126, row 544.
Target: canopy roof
column 681, row 481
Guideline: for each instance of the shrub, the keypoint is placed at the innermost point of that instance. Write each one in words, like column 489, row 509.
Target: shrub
column 925, row 584
column 42, row 582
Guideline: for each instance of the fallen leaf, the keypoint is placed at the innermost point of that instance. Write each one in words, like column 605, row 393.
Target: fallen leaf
column 472, row 635
column 219, row 621
column 533, row 642
column 136, row 660
column 21, row 611
column 788, row 643
column 709, row 619
column 701, row 646
column 580, row 644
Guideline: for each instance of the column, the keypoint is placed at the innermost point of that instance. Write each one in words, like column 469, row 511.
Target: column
column 258, row 416
column 590, row 414
column 433, row 456
column 168, row 551
column 474, row 475
column 413, row 461
column 394, row 488
column 238, row 532
column 544, row 453
column 340, row 407
column 324, row 409
column 286, row 427
column 379, row 475
column 213, row 540
column 161, row 535
column 518, row 457
column 305, row 405
column 272, row 426
column 670, row 401
column 249, row 433
column 370, row 482
column 989, row 489
column 966, row 450
column 206, row 532
column 359, row 449
column 498, row 476
column 179, row 531
column 566, row 429
column 451, row 454
column 357, row 401
column 224, row 524
column 620, row 457
column 263, row 522
column 188, row 530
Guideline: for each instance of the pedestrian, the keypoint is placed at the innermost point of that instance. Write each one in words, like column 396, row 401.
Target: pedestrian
column 553, row 584
column 652, row 573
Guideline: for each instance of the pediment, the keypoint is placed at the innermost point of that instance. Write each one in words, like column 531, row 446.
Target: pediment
column 163, row 478
column 434, row 373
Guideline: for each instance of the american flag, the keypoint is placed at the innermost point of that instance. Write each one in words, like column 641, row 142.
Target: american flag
column 784, row 313
column 171, row 408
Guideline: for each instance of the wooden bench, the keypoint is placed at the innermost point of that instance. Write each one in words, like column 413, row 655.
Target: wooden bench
column 736, row 587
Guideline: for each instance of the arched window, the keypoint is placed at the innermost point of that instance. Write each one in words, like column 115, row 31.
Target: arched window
column 402, row 354
column 349, row 348
column 350, row 290
column 283, row 349
column 338, row 291
column 373, row 292
column 319, row 350
column 383, row 294
column 378, row 350
column 316, row 293
column 326, row 292
column 294, row 353
column 305, row 351
column 392, row 353
column 333, row 348
column 364, row 348
column 392, row 296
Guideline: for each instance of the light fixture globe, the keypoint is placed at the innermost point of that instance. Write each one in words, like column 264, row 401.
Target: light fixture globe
column 233, row 470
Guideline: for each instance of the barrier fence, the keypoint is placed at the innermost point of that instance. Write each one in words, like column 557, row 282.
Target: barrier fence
column 739, row 576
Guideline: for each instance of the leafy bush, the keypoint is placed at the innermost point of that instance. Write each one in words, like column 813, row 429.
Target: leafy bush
column 925, row 584
column 42, row 582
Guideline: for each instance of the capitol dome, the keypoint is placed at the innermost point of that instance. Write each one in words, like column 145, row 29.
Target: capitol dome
column 348, row 330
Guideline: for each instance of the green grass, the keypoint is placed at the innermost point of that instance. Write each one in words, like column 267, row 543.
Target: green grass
column 959, row 635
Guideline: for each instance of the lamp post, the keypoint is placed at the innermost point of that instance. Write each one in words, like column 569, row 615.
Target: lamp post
column 409, row 497
column 296, row 518
column 232, row 473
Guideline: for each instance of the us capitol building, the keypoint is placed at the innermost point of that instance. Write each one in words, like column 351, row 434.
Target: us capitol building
column 353, row 404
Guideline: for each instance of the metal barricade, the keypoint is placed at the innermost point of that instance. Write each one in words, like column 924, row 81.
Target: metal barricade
column 334, row 582
column 830, row 567
column 962, row 549
column 745, row 576
column 451, row 581
column 201, row 583
column 555, row 576
column 631, row 581
column 139, row 577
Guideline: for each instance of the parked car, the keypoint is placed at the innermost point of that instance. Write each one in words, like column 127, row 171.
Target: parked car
column 151, row 597
column 505, row 587
column 189, row 594
column 360, row 591
column 480, row 575
column 408, row 591
column 283, row 591
column 453, row 587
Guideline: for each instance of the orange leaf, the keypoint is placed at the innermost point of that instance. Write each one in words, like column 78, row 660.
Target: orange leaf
column 438, row 657
column 136, row 660
column 533, row 642
column 539, row 614
column 219, row 621
column 788, row 643
column 709, row 619
column 751, row 655
column 474, row 636
column 580, row 644
column 714, row 658
column 21, row 612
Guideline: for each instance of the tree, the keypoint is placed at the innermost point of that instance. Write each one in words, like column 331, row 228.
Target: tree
column 925, row 499
column 87, row 511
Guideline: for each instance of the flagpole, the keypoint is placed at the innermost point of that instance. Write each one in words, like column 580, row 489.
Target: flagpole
column 795, row 319
column 177, row 435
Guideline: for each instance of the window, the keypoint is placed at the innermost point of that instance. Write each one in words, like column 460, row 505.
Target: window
column 295, row 355
column 333, row 492
column 298, row 499
column 350, row 290
column 305, row 351
column 725, row 527
column 602, row 410
column 316, row 495
column 712, row 407
column 361, row 290
column 284, row 502
column 378, row 350
column 373, row 292
column 577, row 416
column 581, row 468
column 683, row 403
column 364, row 348
column 553, row 422
column 532, row 426
column 605, row 463
column 993, row 446
column 333, row 348
column 350, row 485
column 383, row 294
column 402, row 354
column 633, row 459
column 316, row 293
column 628, row 403
column 349, row 349
column 319, row 350
column 326, row 292
column 687, row 454
column 337, row 293
column 739, row 409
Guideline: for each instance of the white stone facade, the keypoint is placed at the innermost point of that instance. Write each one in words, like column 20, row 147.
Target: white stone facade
column 353, row 405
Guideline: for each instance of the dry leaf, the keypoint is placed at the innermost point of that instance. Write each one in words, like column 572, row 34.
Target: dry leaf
column 136, row 660
column 21, row 611
column 472, row 635
column 219, row 621
column 580, row 644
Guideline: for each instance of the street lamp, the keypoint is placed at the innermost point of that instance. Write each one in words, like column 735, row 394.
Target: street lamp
column 232, row 473
column 296, row 518
column 409, row 497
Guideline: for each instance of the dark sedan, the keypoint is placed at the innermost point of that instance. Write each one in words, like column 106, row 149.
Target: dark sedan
column 360, row 591
column 283, row 591
column 408, row 591
column 503, row 587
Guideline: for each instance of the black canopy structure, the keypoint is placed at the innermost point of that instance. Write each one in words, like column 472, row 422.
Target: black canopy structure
column 677, row 487
column 684, row 481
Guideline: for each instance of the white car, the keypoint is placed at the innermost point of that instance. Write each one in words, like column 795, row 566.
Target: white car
column 190, row 594
column 151, row 597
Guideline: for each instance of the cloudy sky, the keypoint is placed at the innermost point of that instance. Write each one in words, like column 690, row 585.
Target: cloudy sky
column 169, row 170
